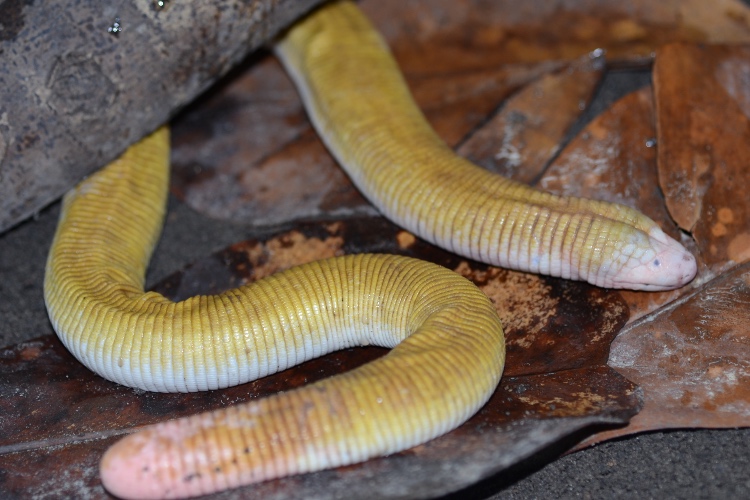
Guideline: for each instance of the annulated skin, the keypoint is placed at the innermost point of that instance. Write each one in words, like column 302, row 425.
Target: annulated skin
column 447, row 357
column 360, row 105
column 448, row 347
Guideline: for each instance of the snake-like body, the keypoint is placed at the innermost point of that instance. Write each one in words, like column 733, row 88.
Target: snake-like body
column 448, row 343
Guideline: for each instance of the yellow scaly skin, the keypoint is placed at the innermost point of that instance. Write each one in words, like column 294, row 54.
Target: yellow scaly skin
column 449, row 346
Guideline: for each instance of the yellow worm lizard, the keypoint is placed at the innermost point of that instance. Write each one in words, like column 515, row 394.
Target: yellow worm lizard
column 448, row 346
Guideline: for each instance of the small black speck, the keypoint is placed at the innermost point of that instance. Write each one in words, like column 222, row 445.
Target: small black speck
column 190, row 477
column 217, row 469
column 657, row 263
column 247, row 450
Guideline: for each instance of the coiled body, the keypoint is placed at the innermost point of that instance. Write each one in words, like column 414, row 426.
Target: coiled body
column 447, row 359
column 448, row 344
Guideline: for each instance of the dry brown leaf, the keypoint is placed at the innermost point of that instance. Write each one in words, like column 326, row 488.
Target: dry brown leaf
column 447, row 36
column 691, row 359
column 520, row 140
column 703, row 106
